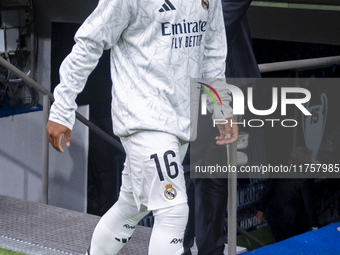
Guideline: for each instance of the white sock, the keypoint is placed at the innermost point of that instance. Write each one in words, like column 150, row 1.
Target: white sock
column 168, row 230
column 115, row 228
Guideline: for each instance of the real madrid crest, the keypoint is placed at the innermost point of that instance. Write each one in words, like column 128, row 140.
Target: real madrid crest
column 170, row 193
column 205, row 4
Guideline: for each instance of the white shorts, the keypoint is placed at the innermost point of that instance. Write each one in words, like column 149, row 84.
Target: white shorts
column 153, row 170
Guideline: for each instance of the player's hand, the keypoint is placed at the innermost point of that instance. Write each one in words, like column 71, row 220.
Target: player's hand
column 54, row 133
column 228, row 132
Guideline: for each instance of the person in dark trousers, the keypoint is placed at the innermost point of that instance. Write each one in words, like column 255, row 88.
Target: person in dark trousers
column 207, row 198
column 289, row 204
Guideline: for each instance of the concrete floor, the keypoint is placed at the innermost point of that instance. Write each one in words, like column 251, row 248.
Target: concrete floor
column 38, row 229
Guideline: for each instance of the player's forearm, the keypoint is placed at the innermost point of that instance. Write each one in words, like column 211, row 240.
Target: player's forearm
column 74, row 72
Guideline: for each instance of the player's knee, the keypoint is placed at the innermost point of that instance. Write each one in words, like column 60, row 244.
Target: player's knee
column 176, row 216
column 181, row 210
column 126, row 211
column 168, row 231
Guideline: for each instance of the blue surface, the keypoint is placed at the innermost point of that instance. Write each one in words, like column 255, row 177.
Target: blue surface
column 8, row 111
column 324, row 241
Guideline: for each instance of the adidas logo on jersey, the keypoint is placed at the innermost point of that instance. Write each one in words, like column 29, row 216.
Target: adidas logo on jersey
column 167, row 6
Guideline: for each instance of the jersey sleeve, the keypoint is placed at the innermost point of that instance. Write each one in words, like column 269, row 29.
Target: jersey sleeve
column 215, row 51
column 215, row 54
column 219, row 111
column 100, row 31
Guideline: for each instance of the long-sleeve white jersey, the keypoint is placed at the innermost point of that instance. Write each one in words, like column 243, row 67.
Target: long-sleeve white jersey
column 156, row 47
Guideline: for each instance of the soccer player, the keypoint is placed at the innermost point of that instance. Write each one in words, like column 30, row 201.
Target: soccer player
column 156, row 47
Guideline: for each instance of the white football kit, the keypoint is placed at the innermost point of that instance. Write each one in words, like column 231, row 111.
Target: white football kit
column 156, row 47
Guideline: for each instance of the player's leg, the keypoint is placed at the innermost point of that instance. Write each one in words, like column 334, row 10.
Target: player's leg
column 115, row 228
column 158, row 183
column 170, row 223
column 168, row 230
